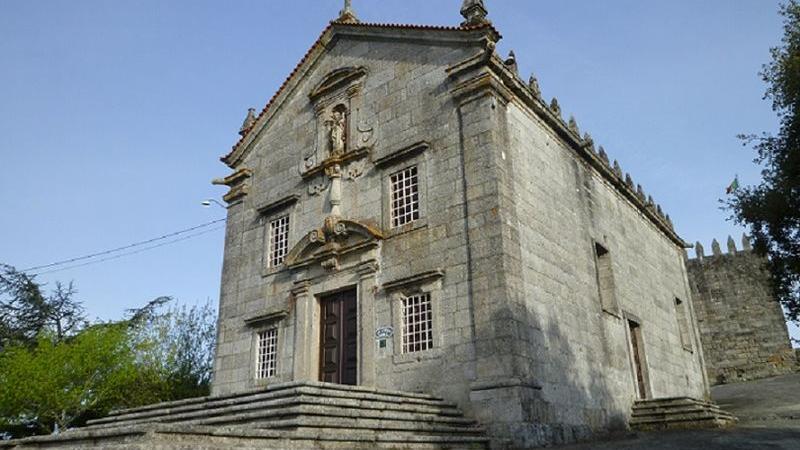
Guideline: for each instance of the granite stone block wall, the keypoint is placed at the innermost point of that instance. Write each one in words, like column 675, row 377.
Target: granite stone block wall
column 742, row 326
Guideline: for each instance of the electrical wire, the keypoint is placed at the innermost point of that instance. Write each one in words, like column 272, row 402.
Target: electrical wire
column 119, row 249
column 110, row 258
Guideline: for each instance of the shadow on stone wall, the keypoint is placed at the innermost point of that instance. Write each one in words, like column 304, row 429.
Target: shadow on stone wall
column 554, row 397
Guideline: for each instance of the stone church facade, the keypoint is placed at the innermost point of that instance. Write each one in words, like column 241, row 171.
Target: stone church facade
column 407, row 213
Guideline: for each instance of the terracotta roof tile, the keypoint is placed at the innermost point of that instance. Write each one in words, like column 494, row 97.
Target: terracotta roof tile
column 317, row 43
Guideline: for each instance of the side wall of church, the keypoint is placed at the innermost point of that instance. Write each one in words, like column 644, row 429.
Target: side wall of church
column 576, row 350
column 742, row 327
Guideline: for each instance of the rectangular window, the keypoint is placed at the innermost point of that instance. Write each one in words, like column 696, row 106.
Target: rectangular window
column 278, row 241
column 417, row 323
column 605, row 279
column 267, row 354
column 405, row 197
column 683, row 324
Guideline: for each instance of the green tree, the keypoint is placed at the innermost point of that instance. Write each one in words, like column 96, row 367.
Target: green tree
column 59, row 384
column 180, row 343
column 57, row 371
column 771, row 210
column 26, row 312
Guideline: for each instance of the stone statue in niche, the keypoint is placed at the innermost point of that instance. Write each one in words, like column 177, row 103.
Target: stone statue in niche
column 337, row 132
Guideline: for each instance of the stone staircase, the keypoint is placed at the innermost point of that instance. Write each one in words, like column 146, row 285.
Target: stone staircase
column 286, row 416
column 678, row 413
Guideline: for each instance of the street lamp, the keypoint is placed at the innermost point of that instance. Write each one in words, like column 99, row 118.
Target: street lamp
column 209, row 201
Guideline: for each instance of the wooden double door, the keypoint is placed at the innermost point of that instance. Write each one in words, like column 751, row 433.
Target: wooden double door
column 339, row 359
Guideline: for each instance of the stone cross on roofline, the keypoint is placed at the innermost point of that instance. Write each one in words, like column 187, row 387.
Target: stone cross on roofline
column 347, row 15
column 474, row 13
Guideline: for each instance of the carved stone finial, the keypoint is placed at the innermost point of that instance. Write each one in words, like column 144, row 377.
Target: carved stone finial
column 603, row 155
column 573, row 125
column 589, row 142
column 474, row 13
column 629, row 180
column 659, row 211
column 731, row 246
column 715, row 248
column 669, row 222
column 347, row 15
column 650, row 201
column 699, row 251
column 511, row 62
column 249, row 120
column 533, row 84
column 555, row 107
column 746, row 244
column 640, row 192
column 617, row 168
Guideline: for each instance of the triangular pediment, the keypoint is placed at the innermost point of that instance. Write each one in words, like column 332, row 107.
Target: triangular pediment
column 329, row 38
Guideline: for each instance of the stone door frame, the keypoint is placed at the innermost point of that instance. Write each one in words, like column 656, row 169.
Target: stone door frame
column 637, row 351
column 308, row 295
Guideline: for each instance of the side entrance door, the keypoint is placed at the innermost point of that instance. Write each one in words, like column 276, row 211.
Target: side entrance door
column 637, row 354
column 339, row 344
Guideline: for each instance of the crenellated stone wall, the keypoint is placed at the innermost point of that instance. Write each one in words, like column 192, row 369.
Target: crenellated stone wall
column 742, row 327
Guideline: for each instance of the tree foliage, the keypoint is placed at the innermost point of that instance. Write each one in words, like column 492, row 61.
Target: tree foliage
column 60, row 384
column 57, row 371
column 26, row 312
column 771, row 210
column 182, row 350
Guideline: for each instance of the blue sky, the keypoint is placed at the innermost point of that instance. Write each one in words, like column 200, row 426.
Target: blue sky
column 113, row 114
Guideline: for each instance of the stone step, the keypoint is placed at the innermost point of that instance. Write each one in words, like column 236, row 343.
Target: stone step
column 288, row 416
column 308, row 422
column 678, row 410
column 268, row 399
column 328, row 387
column 215, row 438
column 678, row 413
column 263, row 417
column 292, row 405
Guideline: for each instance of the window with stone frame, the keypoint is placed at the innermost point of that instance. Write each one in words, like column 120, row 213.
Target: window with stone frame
column 278, row 241
column 683, row 324
column 417, row 326
column 405, row 202
column 266, row 354
column 605, row 279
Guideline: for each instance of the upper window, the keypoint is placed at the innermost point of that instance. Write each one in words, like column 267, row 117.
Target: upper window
column 267, row 354
column 405, row 197
column 278, row 241
column 417, row 323
column 605, row 279
column 683, row 324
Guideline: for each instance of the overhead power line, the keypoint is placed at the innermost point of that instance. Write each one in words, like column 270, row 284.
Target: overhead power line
column 126, row 247
column 134, row 252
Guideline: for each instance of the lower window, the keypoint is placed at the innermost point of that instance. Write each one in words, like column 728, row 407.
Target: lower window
column 266, row 354
column 417, row 323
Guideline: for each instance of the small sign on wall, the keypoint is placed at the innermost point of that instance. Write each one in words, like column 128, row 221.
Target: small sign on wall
column 384, row 333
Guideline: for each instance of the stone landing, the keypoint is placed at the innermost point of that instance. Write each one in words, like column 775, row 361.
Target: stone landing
column 286, row 416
